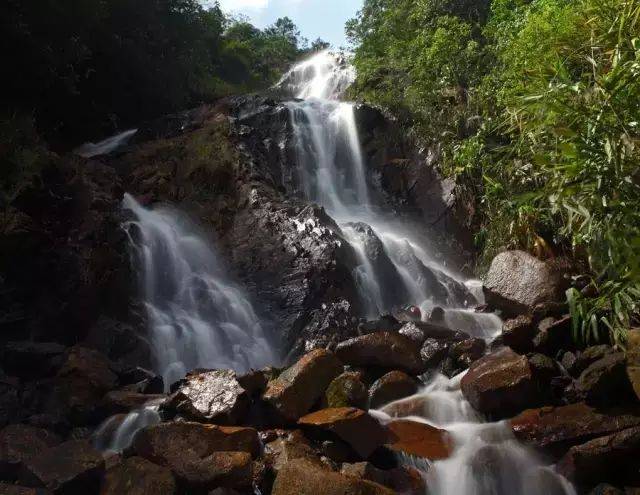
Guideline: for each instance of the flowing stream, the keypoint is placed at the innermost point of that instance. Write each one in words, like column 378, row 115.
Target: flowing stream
column 396, row 268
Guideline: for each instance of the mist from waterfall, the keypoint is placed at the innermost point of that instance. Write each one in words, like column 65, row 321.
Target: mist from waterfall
column 197, row 316
column 396, row 268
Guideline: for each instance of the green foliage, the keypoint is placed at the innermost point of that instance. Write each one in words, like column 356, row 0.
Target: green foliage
column 534, row 106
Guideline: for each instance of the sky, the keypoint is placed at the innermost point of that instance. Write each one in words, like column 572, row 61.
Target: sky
column 315, row 18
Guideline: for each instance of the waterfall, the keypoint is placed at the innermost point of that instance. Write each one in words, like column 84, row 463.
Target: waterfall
column 395, row 268
column 197, row 316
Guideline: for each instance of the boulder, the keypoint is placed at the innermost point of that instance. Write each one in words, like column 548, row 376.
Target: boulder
column 433, row 351
column 589, row 356
column 354, row 426
column 301, row 477
column 73, row 467
column 281, row 451
column 633, row 359
column 517, row 282
column 390, row 387
column 467, row 351
column 137, row 476
column 19, row 443
column 210, row 397
column 612, row 458
column 383, row 349
column 124, row 401
column 518, row 333
column 299, row 387
column 403, row 479
column 167, row 443
column 218, row 469
column 606, row 380
column 500, row 383
column 570, row 425
column 553, row 335
column 418, row 439
column 346, row 390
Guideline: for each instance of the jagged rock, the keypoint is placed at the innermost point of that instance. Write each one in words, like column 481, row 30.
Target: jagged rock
column 467, row 351
column 613, row 458
column 633, row 359
column 360, row 430
column 392, row 386
column 500, row 383
column 301, row 477
column 123, row 401
column 589, row 356
column 413, row 332
column 517, row 282
column 210, row 397
column 518, row 333
column 300, row 386
column 433, row 351
column 606, row 379
column 419, row 439
column 347, row 390
column 570, row 425
column 32, row 359
column 19, row 443
column 73, row 467
column 137, row 476
column 384, row 349
column 168, row 443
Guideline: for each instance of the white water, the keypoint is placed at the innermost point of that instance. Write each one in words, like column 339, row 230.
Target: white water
column 197, row 316
column 106, row 146
column 397, row 268
column 116, row 433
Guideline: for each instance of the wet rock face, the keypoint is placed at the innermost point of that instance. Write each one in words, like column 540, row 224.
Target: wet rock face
column 383, row 349
column 517, row 282
column 606, row 380
column 211, row 397
column 518, row 333
column 71, row 467
column 297, row 388
column 500, row 383
column 390, row 387
column 137, row 476
column 347, row 390
column 418, row 439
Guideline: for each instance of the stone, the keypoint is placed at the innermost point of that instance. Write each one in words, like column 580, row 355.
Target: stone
column 612, row 458
column 517, row 282
column 418, row 439
column 467, row 351
column 433, row 352
column 357, row 428
column 413, row 332
column 403, row 479
column 606, row 380
column 255, row 381
column 518, row 333
column 279, row 452
column 553, row 335
column 6, row 489
column 568, row 362
column 383, row 349
column 210, row 397
column 500, row 383
column 166, row 443
column 633, row 359
column 347, row 390
column 70, row 467
column 570, row 425
column 226, row 469
column 301, row 477
column 390, row 387
column 543, row 367
column 300, row 386
column 19, row 443
column 354, row 426
column 137, row 476
column 606, row 489
column 28, row 359
column 589, row 356
column 123, row 401
column 386, row 323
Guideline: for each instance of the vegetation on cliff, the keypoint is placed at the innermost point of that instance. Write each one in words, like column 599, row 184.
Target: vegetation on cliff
column 534, row 109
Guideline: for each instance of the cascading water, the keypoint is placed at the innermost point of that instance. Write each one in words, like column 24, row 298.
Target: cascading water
column 197, row 316
column 395, row 268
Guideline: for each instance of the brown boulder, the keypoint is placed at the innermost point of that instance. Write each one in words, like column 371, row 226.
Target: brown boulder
column 383, row 349
column 403, row 479
column 210, row 397
column 137, row 476
column 346, row 390
column 518, row 333
column 390, row 387
column 553, row 335
column 73, row 467
column 589, row 356
column 613, row 458
column 419, row 439
column 606, row 379
column 360, row 430
column 218, row 469
column 570, row 425
column 467, row 351
column 299, row 387
column 19, row 443
column 500, row 383
column 165, row 442
column 300, row 477
column 279, row 452
column 517, row 282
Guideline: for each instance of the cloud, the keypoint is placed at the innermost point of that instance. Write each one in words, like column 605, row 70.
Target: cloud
column 244, row 4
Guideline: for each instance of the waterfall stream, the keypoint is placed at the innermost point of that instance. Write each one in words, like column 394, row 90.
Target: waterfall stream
column 396, row 268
